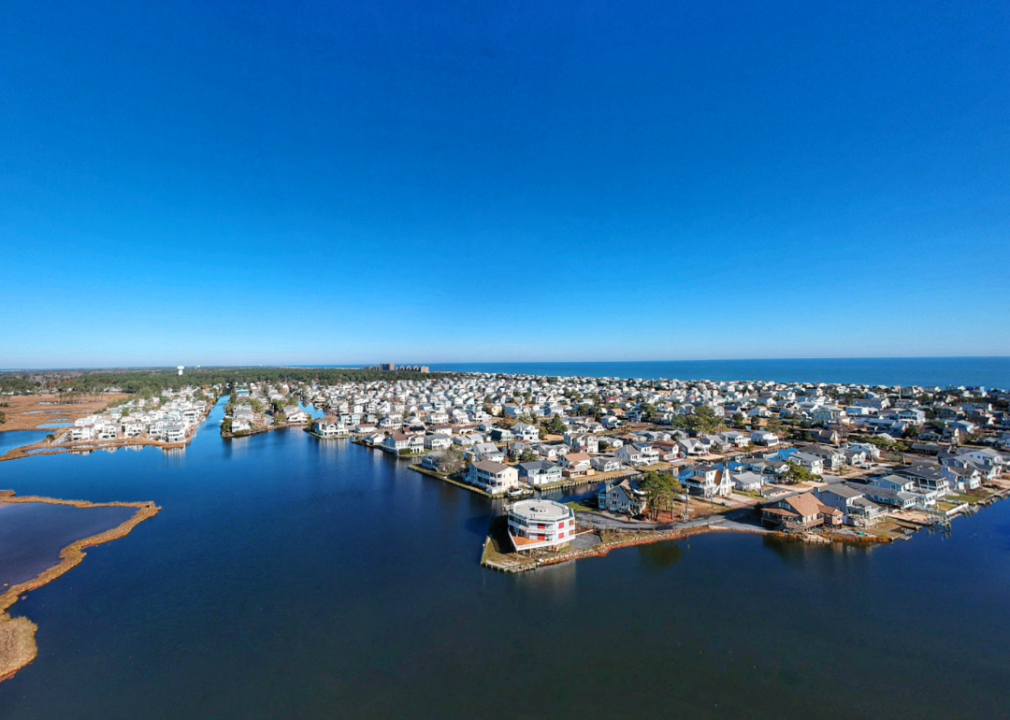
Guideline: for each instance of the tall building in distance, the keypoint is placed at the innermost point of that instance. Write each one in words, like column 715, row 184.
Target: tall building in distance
column 391, row 367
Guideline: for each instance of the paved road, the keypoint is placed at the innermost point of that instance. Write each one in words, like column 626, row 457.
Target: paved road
column 737, row 520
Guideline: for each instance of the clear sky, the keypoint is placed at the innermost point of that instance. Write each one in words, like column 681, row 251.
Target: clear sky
column 301, row 182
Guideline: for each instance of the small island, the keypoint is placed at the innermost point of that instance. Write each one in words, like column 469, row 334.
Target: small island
column 42, row 524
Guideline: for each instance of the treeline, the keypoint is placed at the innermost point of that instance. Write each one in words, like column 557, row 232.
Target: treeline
column 152, row 382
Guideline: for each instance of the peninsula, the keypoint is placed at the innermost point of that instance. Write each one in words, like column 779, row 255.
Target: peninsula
column 17, row 634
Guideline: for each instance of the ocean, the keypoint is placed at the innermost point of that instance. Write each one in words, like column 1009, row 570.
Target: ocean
column 942, row 372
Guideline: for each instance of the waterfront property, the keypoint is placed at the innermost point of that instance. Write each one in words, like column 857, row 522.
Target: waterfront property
column 539, row 472
column 539, row 524
column 800, row 512
column 621, row 498
column 493, row 477
column 708, row 481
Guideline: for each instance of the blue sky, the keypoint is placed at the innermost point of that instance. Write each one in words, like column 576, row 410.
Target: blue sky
column 310, row 182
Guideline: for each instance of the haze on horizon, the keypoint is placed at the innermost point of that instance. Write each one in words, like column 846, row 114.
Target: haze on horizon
column 347, row 183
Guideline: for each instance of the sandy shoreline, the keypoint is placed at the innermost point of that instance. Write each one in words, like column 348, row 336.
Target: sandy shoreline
column 17, row 635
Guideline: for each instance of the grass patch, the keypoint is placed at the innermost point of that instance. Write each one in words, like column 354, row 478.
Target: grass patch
column 965, row 498
column 579, row 507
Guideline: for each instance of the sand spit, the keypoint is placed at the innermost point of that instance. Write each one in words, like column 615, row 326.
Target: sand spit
column 17, row 635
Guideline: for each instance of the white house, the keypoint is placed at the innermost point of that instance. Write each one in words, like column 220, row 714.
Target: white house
column 747, row 481
column 606, row 463
column 535, row 524
column 485, row 451
column 493, row 477
column 540, row 472
column 708, row 481
column 526, row 433
column 763, row 437
column 437, row 442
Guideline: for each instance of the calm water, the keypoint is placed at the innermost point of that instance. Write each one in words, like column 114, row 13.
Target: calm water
column 290, row 578
column 32, row 535
column 990, row 372
column 18, row 438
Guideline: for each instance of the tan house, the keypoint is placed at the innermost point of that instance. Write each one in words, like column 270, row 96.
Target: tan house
column 800, row 512
column 576, row 465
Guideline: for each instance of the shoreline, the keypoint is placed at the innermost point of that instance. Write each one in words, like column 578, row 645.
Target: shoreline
column 513, row 562
column 17, row 635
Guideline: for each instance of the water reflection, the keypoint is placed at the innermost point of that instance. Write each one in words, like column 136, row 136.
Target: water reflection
column 799, row 553
column 660, row 556
column 551, row 582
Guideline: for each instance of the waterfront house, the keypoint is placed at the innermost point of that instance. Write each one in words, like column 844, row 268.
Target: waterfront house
column 637, row 454
column 576, row 465
column 433, row 461
column 327, row 427
column 539, row 472
column 540, row 524
column 403, row 444
column 747, row 481
column 606, row 463
column 800, row 512
column 175, row 433
column 692, row 447
column 708, row 481
column 962, row 478
column 493, row 477
column 621, row 498
column 896, row 499
column 851, row 500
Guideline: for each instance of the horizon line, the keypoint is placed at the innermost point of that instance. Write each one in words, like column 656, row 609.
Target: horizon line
column 355, row 365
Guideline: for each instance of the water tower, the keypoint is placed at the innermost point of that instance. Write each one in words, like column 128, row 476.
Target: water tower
column 181, row 368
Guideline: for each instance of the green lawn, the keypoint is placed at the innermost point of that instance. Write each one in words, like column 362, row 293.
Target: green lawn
column 578, row 507
column 965, row 498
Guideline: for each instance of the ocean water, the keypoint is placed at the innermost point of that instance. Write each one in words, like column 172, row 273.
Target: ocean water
column 288, row 577
column 969, row 371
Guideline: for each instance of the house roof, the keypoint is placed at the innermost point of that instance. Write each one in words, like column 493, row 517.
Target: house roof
column 490, row 466
column 807, row 505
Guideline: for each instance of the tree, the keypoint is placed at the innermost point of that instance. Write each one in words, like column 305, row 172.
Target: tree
column 452, row 462
column 797, row 473
column 604, row 446
column 555, row 426
column 661, row 490
column 702, row 421
column 527, row 455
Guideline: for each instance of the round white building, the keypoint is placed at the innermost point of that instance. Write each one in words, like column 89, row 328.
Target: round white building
column 535, row 524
